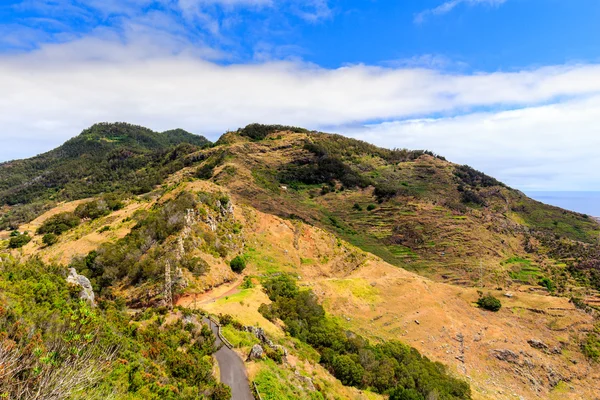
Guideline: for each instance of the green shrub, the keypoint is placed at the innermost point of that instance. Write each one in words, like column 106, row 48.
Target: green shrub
column 247, row 283
column 49, row 239
column 19, row 241
column 92, row 209
column 371, row 207
column 59, row 223
column 357, row 207
column 238, row 264
column 259, row 131
column 489, row 302
column 548, row 284
column 591, row 346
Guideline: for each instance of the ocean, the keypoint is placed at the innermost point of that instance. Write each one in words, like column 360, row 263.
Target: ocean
column 583, row 202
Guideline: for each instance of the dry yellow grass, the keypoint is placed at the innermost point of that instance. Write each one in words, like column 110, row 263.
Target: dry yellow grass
column 383, row 302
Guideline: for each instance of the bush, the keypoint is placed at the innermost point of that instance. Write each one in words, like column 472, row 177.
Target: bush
column 19, row 241
column 59, row 223
column 49, row 239
column 489, row 302
column 238, row 264
column 357, row 207
column 247, row 283
column 469, row 196
column 548, row 284
column 347, row 371
column 591, row 346
column 371, row 207
column 92, row 209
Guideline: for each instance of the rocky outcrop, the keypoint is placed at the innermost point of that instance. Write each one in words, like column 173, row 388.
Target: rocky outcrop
column 260, row 334
column 306, row 381
column 256, row 353
column 87, row 293
column 537, row 344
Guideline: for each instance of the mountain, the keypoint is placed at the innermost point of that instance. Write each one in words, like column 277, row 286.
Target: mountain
column 370, row 272
column 116, row 157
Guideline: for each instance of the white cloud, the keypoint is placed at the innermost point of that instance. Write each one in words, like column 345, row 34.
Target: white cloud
column 550, row 147
column 52, row 94
column 450, row 5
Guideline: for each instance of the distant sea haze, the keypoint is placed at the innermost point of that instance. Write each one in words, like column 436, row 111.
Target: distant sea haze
column 583, row 202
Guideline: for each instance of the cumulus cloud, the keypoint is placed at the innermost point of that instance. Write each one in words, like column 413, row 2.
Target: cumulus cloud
column 450, row 5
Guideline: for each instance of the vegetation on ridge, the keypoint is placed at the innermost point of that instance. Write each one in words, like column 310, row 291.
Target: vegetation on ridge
column 104, row 158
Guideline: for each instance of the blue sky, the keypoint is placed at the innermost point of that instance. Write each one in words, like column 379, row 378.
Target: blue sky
column 511, row 87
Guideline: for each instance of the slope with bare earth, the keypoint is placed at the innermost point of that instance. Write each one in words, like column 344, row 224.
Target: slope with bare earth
column 529, row 348
column 395, row 244
column 414, row 210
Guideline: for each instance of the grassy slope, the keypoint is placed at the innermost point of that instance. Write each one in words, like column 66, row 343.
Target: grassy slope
column 424, row 228
column 383, row 302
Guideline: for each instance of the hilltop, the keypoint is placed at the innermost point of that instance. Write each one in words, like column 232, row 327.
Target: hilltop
column 374, row 245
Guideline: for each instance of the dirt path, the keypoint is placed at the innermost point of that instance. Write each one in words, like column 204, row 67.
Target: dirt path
column 193, row 300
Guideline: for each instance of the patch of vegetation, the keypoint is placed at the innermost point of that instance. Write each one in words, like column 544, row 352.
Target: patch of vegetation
column 548, row 284
column 384, row 367
column 489, row 302
column 66, row 349
column 98, row 208
column 247, row 283
column 19, row 240
column 238, row 264
column 325, row 169
column 472, row 197
column 59, row 223
column 49, row 239
column 206, row 170
column 259, row 131
column 471, row 177
column 591, row 346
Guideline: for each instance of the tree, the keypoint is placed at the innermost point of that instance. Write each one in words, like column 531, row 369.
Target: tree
column 238, row 264
column 347, row 371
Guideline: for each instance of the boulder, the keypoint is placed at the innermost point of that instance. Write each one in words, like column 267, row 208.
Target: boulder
column 87, row 293
column 256, row 352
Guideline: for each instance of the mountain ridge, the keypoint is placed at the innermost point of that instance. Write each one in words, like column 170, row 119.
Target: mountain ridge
column 384, row 244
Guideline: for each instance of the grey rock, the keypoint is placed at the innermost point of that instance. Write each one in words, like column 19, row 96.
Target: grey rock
column 306, row 380
column 87, row 293
column 256, row 353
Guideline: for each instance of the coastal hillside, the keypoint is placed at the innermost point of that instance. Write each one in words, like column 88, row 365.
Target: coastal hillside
column 348, row 270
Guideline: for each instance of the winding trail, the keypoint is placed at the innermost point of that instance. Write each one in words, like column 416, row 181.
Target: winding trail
column 233, row 371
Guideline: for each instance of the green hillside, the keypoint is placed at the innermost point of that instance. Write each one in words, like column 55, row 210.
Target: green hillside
column 106, row 157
